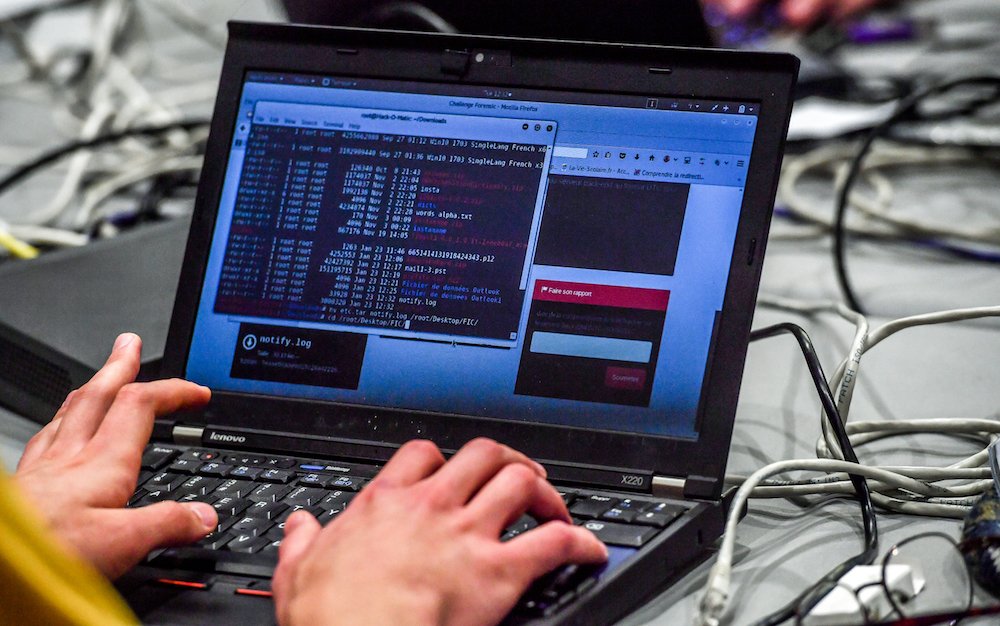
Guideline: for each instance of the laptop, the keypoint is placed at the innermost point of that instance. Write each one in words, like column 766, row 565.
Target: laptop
column 403, row 235
column 674, row 23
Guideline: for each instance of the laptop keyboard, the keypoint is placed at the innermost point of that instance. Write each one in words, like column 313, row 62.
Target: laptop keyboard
column 255, row 493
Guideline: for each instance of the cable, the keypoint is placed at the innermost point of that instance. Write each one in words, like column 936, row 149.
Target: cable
column 883, row 223
column 907, row 490
column 814, row 593
column 56, row 154
column 906, row 107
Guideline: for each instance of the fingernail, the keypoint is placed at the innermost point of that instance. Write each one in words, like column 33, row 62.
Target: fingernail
column 123, row 340
column 206, row 514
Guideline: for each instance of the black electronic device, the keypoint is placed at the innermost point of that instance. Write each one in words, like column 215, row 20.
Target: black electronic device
column 672, row 23
column 60, row 313
column 409, row 235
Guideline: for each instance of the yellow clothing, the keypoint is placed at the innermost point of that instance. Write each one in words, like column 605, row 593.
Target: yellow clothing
column 40, row 583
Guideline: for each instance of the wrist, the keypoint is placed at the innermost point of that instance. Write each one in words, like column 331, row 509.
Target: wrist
column 389, row 605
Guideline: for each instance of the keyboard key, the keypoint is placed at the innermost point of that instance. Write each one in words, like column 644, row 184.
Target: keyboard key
column 336, row 500
column 165, row 481
column 276, row 532
column 199, row 485
column 346, row 483
column 620, row 534
column 653, row 518
column 265, row 510
column 313, row 480
column 592, row 506
column 625, row 511
column 155, row 457
column 244, row 459
column 251, row 526
column 271, row 548
column 246, row 472
column 184, row 466
column 307, row 496
column 249, row 544
column 195, row 497
column 227, row 505
column 522, row 525
column 567, row 497
column 276, row 476
column 269, row 493
column 280, row 463
column 150, row 497
column 217, row 540
column 215, row 469
column 327, row 516
column 200, row 455
column 316, row 512
column 664, row 507
column 235, row 488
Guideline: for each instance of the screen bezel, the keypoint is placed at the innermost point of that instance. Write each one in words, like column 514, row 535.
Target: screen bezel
column 610, row 68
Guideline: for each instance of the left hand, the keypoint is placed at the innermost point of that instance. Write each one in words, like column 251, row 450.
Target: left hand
column 81, row 468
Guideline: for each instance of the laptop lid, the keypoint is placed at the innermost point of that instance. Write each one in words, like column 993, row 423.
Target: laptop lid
column 553, row 244
column 674, row 23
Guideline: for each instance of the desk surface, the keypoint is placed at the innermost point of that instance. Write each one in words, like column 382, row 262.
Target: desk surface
column 948, row 371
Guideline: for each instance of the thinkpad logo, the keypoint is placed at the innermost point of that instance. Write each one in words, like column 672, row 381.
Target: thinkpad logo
column 227, row 438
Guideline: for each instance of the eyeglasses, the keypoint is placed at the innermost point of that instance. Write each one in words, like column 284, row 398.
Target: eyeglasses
column 923, row 580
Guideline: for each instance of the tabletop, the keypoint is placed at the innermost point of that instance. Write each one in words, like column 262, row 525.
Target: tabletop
column 947, row 371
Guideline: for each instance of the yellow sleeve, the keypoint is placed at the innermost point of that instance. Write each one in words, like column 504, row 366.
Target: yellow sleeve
column 41, row 583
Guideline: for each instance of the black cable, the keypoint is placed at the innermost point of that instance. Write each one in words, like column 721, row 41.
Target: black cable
column 905, row 108
column 811, row 596
column 56, row 154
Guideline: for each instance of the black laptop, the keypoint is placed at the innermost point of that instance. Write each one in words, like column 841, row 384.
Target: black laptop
column 402, row 235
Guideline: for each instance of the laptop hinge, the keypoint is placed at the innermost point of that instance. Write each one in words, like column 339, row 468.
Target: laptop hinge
column 188, row 435
column 668, row 487
column 691, row 487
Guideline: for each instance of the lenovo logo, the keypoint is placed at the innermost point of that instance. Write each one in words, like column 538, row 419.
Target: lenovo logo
column 227, row 438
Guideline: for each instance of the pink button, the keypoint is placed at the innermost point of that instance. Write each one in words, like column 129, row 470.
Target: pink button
column 625, row 378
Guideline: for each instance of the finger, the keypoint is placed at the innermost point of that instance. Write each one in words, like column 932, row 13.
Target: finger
column 413, row 462
column 139, row 531
column 38, row 444
column 804, row 13
column 847, row 8
column 552, row 544
column 477, row 462
column 740, row 9
column 301, row 531
column 508, row 495
column 42, row 440
column 129, row 423
column 91, row 402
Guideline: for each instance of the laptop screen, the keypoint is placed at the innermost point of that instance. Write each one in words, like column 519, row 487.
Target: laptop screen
column 542, row 256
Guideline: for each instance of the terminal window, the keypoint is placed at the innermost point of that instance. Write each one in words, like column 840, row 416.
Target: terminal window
column 364, row 225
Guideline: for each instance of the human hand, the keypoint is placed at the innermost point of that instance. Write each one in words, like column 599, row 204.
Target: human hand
column 420, row 544
column 800, row 14
column 81, row 468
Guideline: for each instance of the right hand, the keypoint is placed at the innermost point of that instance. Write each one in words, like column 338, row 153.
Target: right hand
column 799, row 14
column 420, row 544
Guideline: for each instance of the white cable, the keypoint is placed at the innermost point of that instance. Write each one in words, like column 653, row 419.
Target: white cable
column 881, row 219
column 99, row 194
column 716, row 595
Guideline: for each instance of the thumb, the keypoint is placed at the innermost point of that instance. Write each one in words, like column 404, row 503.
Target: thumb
column 160, row 525
column 301, row 530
